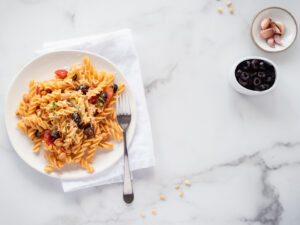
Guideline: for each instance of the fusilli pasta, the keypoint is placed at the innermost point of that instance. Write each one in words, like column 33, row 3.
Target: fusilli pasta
column 72, row 115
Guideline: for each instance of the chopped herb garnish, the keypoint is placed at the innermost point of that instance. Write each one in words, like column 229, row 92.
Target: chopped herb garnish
column 75, row 106
column 55, row 116
column 101, row 99
column 53, row 108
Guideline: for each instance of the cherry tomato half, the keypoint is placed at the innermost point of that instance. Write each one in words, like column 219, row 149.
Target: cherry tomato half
column 37, row 90
column 93, row 99
column 61, row 73
column 47, row 137
column 110, row 93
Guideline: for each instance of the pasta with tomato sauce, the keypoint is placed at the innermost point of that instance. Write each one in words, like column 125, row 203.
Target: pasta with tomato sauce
column 72, row 115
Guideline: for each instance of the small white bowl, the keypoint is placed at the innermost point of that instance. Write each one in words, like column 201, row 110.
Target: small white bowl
column 239, row 88
column 276, row 14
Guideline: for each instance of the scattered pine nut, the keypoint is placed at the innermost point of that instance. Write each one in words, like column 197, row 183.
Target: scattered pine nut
column 220, row 10
column 177, row 186
column 181, row 193
column 153, row 211
column 228, row 3
column 143, row 214
column 188, row 182
column 162, row 197
column 26, row 98
column 231, row 10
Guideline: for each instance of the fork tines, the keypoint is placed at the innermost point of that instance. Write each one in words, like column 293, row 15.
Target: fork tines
column 123, row 110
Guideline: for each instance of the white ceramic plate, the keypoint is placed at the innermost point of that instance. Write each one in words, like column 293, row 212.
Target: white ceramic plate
column 42, row 68
column 276, row 14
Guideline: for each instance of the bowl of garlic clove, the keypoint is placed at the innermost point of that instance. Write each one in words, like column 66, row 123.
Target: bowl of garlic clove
column 274, row 29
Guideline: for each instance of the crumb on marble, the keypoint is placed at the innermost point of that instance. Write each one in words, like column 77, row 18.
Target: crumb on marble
column 188, row 182
column 231, row 10
column 143, row 214
column 181, row 193
column 154, row 211
column 220, row 10
column 177, row 186
column 162, row 197
column 228, row 3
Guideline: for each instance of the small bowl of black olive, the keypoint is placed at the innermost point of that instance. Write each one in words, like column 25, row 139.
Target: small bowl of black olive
column 254, row 76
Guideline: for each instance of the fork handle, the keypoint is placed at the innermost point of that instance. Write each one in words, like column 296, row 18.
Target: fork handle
column 127, row 188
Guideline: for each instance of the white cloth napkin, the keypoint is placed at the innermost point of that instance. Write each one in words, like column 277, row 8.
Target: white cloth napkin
column 119, row 48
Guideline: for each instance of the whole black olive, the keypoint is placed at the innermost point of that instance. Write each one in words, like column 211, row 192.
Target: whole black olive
column 38, row 133
column 262, row 65
column 244, row 76
column 272, row 69
column 269, row 79
column 245, row 68
column 115, row 88
column 254, row 74
column 74, row 78
column 264, row 87
column 76, row 118
column 238, row 73
column 256, row 81
column 55, row 134
column 81, row 126
column 254, row 64
column 268, row 66
column 84, row 88
column 103, row 95
column 243, row 83
column 261, row 75
column 88, row 131
column 246, row 65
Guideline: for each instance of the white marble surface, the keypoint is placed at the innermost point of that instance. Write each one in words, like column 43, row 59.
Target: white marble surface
column 242, row 154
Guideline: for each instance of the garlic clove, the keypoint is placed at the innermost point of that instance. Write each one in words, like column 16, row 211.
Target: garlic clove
column 265, row 23
column 277, row 39
column 271, row 42
column 266, row 33
column 275, row 28
column 281, row 27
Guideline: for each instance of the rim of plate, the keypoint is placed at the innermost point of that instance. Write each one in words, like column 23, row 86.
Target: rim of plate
column 128, row 90
column 273, row 7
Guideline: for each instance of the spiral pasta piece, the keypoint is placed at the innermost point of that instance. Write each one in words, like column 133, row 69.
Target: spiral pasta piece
column 35, row 122
column 93, row 147
column 49, row 168
column 23, row 109
column 32, row 89
column 37, row 144
column 86, row 165
column 106, row 145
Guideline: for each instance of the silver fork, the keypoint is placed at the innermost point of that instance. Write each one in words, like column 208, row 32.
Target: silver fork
column 124, row 118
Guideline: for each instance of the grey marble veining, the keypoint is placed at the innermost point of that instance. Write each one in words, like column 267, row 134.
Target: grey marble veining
column 242, row 154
